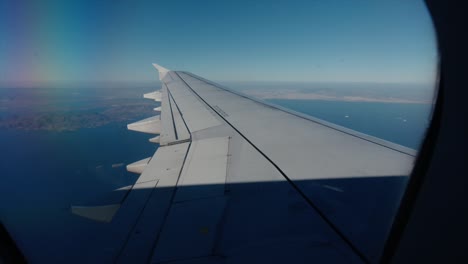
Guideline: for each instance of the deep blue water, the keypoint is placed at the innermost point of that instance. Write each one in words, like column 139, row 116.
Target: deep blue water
column 43, row 173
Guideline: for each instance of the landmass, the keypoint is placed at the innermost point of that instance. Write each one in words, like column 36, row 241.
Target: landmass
column 70, row 121
column 300, row 95
column 48, row 110
column 72, row 109
column 415, row 93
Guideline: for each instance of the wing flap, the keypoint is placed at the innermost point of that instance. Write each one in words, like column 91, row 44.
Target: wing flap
column 204, row 175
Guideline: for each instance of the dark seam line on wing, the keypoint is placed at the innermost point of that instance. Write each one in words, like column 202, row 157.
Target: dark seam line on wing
column 294, row 114
column 206, row 257
column 208, row 197
column 127, row 237
column 126, row 195
column 180, row 112
column 321, row 214
column 156, row 241
column 133, row 185
column 170, row 75
column 219, row 227
column 172, row 114
column 145, row 181
column 178, row 142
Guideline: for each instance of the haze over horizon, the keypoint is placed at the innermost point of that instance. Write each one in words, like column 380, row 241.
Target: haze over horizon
column 52, row 42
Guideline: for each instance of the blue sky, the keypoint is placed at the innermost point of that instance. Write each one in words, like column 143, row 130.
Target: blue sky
column 94, row 41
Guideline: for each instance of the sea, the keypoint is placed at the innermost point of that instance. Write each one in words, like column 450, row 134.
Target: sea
column 44, row 172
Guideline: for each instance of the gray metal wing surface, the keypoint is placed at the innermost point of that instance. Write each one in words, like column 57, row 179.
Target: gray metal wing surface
column 238, row 180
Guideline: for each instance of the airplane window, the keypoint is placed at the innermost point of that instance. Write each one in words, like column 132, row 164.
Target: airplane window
column 72, row 77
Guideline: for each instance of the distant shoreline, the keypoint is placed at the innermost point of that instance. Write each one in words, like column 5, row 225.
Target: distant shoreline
column 322, row 97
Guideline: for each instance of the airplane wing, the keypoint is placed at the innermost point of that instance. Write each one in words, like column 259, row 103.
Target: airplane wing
column 239, row 180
